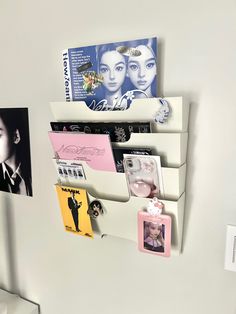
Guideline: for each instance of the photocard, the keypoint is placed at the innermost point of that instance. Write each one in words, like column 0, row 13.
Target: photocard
column 154, row 233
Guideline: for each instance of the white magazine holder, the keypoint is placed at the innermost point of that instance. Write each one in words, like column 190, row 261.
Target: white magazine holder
column 169, row 141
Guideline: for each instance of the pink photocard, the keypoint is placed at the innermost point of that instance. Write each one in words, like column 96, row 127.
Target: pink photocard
column 154, row 233
column 94, row 149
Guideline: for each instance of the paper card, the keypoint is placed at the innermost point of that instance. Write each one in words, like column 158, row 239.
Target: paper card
column 69, row 170
column 154, row 234
column 74, row 207
column 95, row 149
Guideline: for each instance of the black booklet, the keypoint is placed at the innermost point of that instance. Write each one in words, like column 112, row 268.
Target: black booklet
column 118, row 131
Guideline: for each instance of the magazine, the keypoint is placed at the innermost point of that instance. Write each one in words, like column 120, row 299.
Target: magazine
column 110, row 76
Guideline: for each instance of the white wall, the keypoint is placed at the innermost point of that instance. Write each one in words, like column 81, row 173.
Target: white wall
column 66, row 273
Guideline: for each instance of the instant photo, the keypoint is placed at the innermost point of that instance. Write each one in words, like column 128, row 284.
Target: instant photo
column 15, row 162
column 110, row 76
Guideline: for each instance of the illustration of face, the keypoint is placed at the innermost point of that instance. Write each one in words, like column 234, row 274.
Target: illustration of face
column 6, row 143
column 154, row 230
column 142, row 69
column 113, row 70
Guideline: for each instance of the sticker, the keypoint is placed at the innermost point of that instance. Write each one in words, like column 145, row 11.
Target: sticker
column 91, row 80
column 163, row 113
column 155, row 207
column 95, row 208
column 128, row 51
column 84, row 67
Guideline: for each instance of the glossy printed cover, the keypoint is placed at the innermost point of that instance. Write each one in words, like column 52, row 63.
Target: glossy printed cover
column 95, row 149
column 110, row 76
column 74, row 206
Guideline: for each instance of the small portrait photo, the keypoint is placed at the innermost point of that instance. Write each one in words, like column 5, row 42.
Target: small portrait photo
column 15, row 162
column 154, row 233
column 154, row 236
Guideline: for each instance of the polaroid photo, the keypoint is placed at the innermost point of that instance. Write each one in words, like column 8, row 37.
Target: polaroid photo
column 154, row 234
column 144, row 175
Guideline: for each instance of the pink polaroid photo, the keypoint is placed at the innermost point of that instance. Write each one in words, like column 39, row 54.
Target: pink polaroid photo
column 154, row 233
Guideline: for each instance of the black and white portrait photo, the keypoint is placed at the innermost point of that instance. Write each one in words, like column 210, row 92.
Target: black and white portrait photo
column 15, row 163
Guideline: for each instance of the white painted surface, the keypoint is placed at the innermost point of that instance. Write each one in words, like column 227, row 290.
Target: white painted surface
column 13, row 304
column 230, row 248
column 66, row 273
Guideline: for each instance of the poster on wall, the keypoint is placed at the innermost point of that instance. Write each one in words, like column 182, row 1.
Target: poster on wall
column 110, row 76
column 15, row 161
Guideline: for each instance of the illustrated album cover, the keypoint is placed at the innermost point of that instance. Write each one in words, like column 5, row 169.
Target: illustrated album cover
column 74, row 206
column 109, row 76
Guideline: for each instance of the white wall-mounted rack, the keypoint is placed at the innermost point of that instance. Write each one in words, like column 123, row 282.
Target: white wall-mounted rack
column 168, row 140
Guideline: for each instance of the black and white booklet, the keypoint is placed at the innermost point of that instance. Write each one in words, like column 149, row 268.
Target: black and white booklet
column 118, row 131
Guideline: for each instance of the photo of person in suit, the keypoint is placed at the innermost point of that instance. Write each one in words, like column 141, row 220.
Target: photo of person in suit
column 74, row 207
column 15, row 165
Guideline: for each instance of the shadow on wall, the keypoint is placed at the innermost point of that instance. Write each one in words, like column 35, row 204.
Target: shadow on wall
column 193, row 100
column 10, row 245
